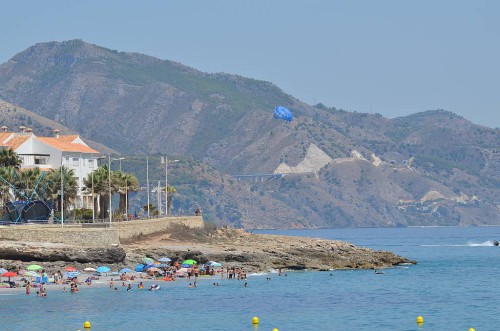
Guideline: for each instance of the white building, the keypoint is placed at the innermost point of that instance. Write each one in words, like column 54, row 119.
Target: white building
column 51, row 152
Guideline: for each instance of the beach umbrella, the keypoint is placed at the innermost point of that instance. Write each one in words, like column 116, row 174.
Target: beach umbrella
column 214, row 264
column 9, row 274
column 70, row 268
column 31, row 274
column 147, row 260
column 189, row 262
column 139, row 267
column 34, row 267
column 164, row 259
column 89, row 269
column 162, row 265
column 3, row 270
column 102, row 269
column 71, row 274
column 125, row 270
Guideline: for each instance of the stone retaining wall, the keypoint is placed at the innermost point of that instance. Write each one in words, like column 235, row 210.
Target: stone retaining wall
column 87, row 235
column 69, row 234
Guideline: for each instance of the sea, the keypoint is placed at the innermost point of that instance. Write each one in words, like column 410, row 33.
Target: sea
column 455, row 285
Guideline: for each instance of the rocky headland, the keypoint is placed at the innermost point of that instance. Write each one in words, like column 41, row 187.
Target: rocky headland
column 250, row 252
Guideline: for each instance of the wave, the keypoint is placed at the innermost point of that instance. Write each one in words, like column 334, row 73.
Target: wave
column 486, row 243
column 257, row 274
column 468, row 244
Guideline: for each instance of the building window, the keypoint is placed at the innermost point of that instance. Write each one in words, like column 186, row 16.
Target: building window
column 75, row 161
column 91, row 163
column 40, row 160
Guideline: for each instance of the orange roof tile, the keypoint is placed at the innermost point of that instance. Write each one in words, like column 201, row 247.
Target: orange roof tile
column 64, row 144
column 15, row 142
column 66, row 138
column 3, row 136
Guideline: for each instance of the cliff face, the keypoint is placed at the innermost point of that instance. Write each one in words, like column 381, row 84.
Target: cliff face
column 223, row 125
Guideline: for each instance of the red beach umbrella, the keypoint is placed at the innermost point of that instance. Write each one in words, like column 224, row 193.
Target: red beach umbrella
column 70, row 269
column 9, row 274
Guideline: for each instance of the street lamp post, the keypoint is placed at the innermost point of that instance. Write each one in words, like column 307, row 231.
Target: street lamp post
column 109, row 182
column 147, row 180
column 62, row 193
column 166, row 183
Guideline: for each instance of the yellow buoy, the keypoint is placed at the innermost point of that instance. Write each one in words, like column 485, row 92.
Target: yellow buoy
column 420, row 320
column 255, row 320
column 472, row 329
column 86, row 325
column 275, row 329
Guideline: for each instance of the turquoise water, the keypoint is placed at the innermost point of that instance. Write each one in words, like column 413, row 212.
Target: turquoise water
column 454, row 286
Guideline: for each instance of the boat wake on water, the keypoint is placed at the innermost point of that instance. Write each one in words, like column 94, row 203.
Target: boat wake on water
column 468, row 244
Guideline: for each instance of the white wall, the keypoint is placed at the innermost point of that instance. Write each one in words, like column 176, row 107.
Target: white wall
column 81, row 163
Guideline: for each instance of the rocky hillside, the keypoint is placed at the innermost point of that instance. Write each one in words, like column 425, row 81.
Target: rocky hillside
column 341, row 168
column 13, row 116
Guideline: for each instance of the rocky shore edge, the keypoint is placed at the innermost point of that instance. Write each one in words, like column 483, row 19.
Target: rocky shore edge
column 237, row 248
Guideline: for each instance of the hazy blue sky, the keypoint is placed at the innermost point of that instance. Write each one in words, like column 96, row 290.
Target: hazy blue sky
column 389, row 57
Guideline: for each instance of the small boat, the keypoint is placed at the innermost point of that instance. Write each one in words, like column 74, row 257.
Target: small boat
column 154, row 287
column 379, row 272
column 496, row 243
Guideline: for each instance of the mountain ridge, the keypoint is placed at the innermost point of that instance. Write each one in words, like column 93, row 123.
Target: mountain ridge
column 137, row 104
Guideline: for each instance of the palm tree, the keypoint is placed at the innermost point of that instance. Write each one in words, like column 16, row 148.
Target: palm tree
column 8, row 175
column 99, row 180
column 68, row 183
column 9, row 158
column 26, row 182
column 125, row 183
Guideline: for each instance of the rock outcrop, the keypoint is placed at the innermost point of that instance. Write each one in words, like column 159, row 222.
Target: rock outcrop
column 44, row 252
column 258, row 252
column 251, row 252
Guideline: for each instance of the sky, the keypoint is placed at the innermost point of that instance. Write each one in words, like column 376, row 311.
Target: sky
column 394, row 58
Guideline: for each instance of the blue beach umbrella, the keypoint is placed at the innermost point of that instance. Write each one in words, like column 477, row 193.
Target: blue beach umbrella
column 164, row 259
column 125, row 270
column 139, row 267
column 71, row 274
column 102, row 269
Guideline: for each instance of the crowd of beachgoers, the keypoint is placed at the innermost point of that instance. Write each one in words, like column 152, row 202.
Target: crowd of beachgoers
column 147, row 275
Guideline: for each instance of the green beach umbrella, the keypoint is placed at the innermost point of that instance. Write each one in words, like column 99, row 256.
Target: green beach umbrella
column 34, row 267
column 189, row 262
column 148, row 260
